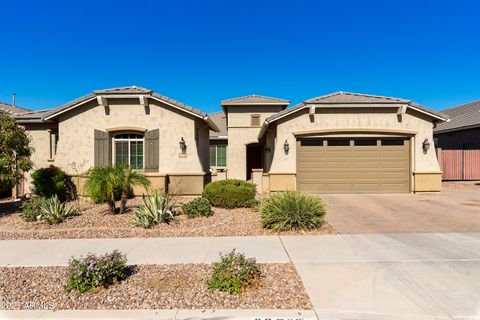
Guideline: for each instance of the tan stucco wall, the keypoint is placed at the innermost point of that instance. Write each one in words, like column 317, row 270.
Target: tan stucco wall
column 186, row 184
column 428, row 181
column 40, row 141
column 240, row 133
column 379, row 120
column 76, row 136
column 76, row 130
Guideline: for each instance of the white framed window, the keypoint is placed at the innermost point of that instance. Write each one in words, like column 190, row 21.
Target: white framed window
column 129, row 149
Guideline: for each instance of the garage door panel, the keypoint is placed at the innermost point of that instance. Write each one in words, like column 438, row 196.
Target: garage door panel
column 354, row 169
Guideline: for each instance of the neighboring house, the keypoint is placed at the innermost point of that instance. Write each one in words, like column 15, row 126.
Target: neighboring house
column 337, row 143
column 462, row 132
column 9, row 109
column 166, row 139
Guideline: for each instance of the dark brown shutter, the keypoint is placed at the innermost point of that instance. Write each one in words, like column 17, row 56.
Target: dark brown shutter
column 102, row 149
column 152, row 152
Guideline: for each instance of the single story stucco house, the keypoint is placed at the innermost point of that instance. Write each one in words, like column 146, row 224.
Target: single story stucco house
column 337, row 143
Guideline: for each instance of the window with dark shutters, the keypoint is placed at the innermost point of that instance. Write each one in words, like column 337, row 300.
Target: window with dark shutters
column 152, row 153
column 102, row 149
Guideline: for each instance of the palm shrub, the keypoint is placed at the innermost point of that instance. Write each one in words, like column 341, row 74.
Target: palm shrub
column 100, row 186
column 292, row 210
column 230, row 193
column 50, row 181
column 156, row 208
column 198, row 207
column 53, row 211
column 93, row 271
column 126, row 179
column 234, row 272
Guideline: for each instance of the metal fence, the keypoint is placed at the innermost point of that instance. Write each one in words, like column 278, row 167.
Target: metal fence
column 459, row 164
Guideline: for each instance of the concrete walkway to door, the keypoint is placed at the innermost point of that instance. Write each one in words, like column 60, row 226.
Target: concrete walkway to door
column 451, row 210
column 381, row 276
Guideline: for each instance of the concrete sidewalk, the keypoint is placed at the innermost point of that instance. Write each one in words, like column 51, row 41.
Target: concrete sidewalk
column 376, row 276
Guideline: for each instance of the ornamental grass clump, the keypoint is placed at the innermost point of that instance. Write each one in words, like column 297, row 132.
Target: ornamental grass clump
column 198, row 207
column 234, row 272
column 93, row 271
column 292, row 210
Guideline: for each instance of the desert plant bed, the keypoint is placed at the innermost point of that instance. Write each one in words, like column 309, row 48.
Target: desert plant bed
column 151, row 287
column 95, row 221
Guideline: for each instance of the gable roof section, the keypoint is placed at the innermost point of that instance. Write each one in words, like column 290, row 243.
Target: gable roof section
column 355, row 98
column 461, row 117
column 255, row 100
column 130, row 90
column 220, row 121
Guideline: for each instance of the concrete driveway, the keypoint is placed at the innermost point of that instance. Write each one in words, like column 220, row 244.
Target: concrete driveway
column 451, row 210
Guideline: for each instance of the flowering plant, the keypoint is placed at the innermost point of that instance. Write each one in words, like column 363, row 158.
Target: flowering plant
column 234, row 272
column 94, row 271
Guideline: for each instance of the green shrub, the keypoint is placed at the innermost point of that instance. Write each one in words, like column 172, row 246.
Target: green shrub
column 94, row 271
column 198, row 207
column 50, row 181
column 230, row 193
column 234, row 272
column 292, row 210
column 53, row 211
column 107, row 184
column 154, row 209
column 31, row 209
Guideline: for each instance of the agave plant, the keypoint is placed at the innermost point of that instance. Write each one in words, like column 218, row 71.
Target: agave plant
column 53, row 211
column 154, row 209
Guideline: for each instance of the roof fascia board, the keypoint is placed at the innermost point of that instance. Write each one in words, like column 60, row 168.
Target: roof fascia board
column 429, row 113
column 69, row 108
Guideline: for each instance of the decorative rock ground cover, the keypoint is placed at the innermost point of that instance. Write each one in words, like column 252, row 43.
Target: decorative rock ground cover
column 151, row 287
column 94, row 221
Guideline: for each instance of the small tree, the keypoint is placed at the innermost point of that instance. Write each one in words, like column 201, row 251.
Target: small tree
column 104, row 183
column 100, row 186
column 15, row 152
column 126, row 180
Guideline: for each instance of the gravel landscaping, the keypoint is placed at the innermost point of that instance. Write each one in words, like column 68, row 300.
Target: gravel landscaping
column 95, row 222
column 151, row 287
column 473, row 185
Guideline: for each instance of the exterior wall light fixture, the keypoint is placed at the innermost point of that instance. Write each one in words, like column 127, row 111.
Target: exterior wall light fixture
column 183, row 146
column 425, row 145
column 286, row 147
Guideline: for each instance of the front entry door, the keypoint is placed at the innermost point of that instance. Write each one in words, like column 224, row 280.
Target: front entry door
column 254, row 158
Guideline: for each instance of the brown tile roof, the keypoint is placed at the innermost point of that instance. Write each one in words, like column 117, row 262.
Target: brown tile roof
column 127, row 90
column 354, row 98
column 461, row 117
column 220, row 120
column 349, row 97
column 11, row 110
column 254, row 100
column 124, row 90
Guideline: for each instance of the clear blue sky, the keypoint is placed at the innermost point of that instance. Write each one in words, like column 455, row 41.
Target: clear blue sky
column 200, row 52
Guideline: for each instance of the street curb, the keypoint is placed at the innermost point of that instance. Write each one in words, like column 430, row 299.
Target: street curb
column 162, row 314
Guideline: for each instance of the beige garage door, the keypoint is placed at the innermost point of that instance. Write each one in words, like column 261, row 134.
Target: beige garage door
column 353, row 165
